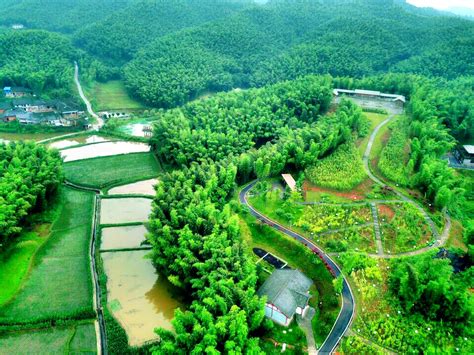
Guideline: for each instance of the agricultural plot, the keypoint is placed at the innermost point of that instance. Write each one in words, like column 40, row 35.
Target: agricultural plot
column 357, row 239
column 342, row 170
column 103, row 149
column 403, row 227
column 146, row 187
column 112, row 171
column 124, row 210
column 59, row 285
column 126, row 237
column 322, row 218
column 79, row 338
column 112, row 95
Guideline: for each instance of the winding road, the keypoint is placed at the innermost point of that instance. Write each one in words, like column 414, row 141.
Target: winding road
column 346, row 314
column 100, row 121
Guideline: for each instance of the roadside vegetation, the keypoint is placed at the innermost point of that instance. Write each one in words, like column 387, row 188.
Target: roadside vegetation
column 112, row 171
column 398, row 303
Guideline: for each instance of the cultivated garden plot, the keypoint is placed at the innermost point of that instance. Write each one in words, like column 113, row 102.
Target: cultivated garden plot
column 103, row 150
column 79, row 338
column 59, row 285
column 146, row 187
column 358, row 239
column 126, row 237
column 112, row 171
column 124, row 210
column 137, row 297
column 403, row 227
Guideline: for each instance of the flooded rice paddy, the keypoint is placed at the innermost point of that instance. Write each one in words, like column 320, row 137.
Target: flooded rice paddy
column 27, row 136
column 138, row 298
column 128, row 237
column 70, row 142
column 103, row 150
column 124, row 210
column 145, row 187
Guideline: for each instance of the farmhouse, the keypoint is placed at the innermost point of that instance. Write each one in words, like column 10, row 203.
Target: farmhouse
column 287, row 293
column 15, row 92
column 35, row 106
column 465, row 155
column 4, row 106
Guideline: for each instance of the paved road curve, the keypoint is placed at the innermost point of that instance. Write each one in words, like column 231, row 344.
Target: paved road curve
column 346, row 314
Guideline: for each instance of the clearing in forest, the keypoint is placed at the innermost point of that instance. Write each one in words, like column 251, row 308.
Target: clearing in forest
column 112, row 95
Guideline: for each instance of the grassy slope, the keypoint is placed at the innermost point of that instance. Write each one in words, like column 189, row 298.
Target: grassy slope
column 375, row 119
column 114, row 170
column 112, row 95
column 15, row 263
column 59, row 285
column 72, row 339
column 261, row 236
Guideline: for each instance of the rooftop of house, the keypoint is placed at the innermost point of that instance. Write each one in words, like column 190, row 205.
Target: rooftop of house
column 290, row 181
column 469, row 149
column 287, row 289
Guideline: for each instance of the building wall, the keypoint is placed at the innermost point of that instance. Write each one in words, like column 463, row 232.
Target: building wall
column 468, row 162
column 274, row 314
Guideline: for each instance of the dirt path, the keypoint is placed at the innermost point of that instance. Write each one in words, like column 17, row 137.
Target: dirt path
column 440, row 239
column 100, row 121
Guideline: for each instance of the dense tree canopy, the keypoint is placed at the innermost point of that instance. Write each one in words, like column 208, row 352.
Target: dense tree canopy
column 29, row 177
column 118, row 37
column 57, row 15
column 39, row 60
column 287, row 39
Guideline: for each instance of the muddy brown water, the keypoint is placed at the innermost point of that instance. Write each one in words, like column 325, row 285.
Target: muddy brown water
column 70, row 142
column 145, row 187
column 124, row 210
column 139, row 299
column 104, row 149
column 128, row 237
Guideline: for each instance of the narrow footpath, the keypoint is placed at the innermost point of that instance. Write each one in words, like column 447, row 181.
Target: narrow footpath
column 100, row 121
column 440, row 238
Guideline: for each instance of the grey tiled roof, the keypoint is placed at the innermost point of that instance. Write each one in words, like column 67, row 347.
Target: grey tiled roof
column 286, row 289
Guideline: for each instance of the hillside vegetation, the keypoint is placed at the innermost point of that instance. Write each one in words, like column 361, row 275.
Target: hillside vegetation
column 286, row 39
column 39, row 60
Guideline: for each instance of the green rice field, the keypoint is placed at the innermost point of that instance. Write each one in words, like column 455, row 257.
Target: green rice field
column 59, row 284
column 75, row 339
column 114, row 170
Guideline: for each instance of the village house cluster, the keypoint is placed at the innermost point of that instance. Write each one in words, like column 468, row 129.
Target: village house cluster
column 21, row 105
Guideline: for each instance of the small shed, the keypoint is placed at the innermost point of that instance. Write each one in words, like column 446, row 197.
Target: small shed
column 465, row 155
column 287, row 293
column 290, row 181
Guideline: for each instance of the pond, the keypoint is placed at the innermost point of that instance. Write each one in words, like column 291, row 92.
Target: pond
column 128, row 237
column 138, row 298
column 135, row 129
column 124, row 210
column 70, row 142
column 103, row 150
column 145, row 187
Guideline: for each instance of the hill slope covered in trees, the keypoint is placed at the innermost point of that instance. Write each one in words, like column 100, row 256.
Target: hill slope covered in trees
column 283, row 40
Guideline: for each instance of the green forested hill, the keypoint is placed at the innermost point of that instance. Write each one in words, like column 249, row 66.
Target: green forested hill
column 57, row 15
column 119, row 36
column 286, row 39
column 36, row 59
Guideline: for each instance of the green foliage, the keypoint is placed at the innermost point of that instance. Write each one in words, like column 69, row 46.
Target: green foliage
column 405, row 230
column 428, row 286
column 115, row 170
column 30, row 175
column 284, row 40
column 118, row 37
column 59, row 286
column 39, row 60
column 342, row 170
column 230, row 124
column 393, row 162
column 63, row 16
